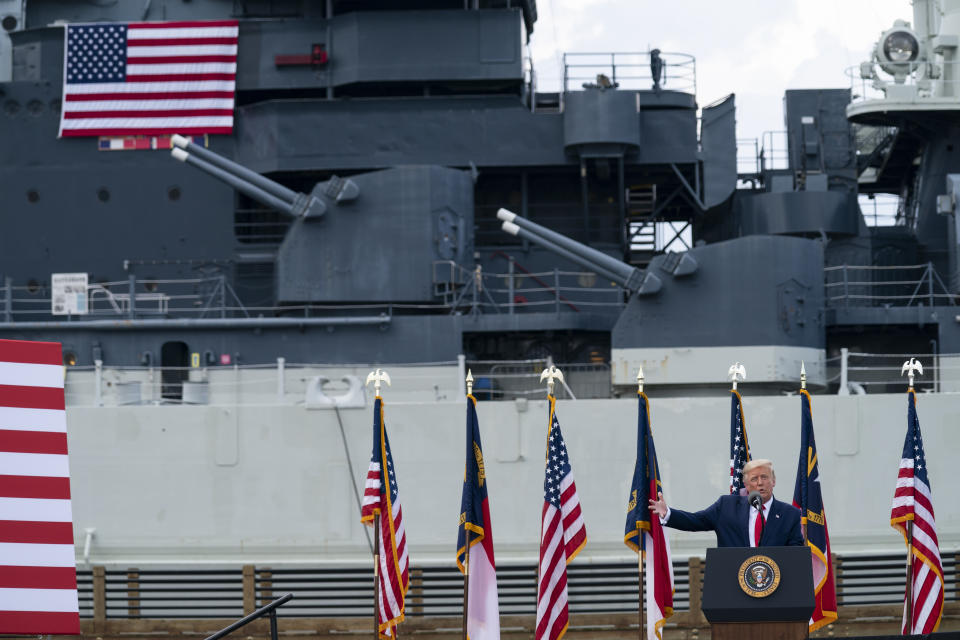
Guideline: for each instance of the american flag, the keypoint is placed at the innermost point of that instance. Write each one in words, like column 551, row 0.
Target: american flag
column 644, row 533
column 739, row 450
column 808, row 497
column 382, row 500
column 38, row 580
column 913, row 502
column 148, row 78
column 562, row 535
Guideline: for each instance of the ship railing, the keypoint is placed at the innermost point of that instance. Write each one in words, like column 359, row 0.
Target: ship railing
column 293, row 384
column 774, row 151
column 523, row 291
column 131, row 298
column 629, row 70
column 854, row 372
column 748, row 160
column 277, row 383
column 456, row 288
column 848, row 286
column 513, row 379
column 282, row 383
column 340, row 593
column 928, row 78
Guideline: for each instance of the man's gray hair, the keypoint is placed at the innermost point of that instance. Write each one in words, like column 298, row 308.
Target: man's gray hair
column 758, row 462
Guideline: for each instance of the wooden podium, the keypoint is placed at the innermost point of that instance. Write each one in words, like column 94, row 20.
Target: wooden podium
column 758, row 593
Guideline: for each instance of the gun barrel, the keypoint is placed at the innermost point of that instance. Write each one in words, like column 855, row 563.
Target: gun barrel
column 241, row 172
column 595, row 258
column 515, row 230
column 237, row 183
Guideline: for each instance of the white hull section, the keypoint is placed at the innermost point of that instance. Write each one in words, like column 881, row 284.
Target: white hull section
column 271, row 484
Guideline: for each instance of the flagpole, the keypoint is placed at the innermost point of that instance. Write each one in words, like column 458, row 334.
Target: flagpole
column 376, row 576
column 910, row 553
column 803, row 389
column 466, row 578
column 640, row 573
column 377, row 377
column 466, row 531
column 550, row 374
column 640, row 545
column 909, row 367
column 910, row 577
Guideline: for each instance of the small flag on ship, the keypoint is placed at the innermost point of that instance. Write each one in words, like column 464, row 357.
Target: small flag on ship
column 144, row 143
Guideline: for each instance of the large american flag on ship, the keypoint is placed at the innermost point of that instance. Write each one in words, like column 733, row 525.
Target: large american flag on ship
column 739, row 449
column 562, row 534
column 913, row 502
column 380, row 498
column 148, row 78
column 38, row 580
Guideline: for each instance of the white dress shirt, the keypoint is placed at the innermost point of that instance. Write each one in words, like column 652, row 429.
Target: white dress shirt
column 753, row 518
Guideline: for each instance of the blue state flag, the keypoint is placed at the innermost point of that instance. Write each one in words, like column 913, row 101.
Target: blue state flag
column 476, row 560
column 807, row 497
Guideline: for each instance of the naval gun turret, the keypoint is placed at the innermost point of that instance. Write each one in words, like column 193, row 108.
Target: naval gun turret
column 631, row 278
column 263, row 190
column 375, row 237
column 765, row 291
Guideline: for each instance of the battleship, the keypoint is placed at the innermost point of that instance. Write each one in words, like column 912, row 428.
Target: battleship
column 397, row 192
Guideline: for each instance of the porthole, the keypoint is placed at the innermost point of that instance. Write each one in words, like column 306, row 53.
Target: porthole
column 103, row 194
column 33, row 286
column 173, row 193
column 69, row 359
column 33, row 196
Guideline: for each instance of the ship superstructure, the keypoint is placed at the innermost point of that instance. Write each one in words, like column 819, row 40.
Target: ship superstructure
column 398, row 192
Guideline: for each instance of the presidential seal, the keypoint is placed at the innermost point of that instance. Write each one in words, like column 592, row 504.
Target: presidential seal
column 759, row 576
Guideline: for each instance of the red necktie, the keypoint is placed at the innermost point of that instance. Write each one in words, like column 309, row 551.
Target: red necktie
column 758, row 528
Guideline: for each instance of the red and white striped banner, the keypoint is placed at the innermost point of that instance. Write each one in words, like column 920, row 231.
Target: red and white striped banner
column 38, row 580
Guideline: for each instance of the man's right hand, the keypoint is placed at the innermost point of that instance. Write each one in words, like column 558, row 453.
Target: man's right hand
column 659, row 506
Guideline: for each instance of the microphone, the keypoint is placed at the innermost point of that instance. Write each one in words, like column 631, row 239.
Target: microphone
column 756, row 500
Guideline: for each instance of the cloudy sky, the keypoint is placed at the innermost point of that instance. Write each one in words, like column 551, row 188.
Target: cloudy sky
column 754, row 48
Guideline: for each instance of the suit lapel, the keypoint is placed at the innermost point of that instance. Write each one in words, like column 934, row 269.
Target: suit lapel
column 771, row 518
column 745, row 519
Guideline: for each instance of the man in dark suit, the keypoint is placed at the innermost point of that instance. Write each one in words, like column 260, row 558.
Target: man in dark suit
column 735, row 521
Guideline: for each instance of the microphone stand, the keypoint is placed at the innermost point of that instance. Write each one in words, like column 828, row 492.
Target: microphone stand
column 763, row 520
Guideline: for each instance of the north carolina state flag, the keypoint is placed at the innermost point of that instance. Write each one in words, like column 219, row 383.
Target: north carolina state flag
column 808, row 498
column 477, row 561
